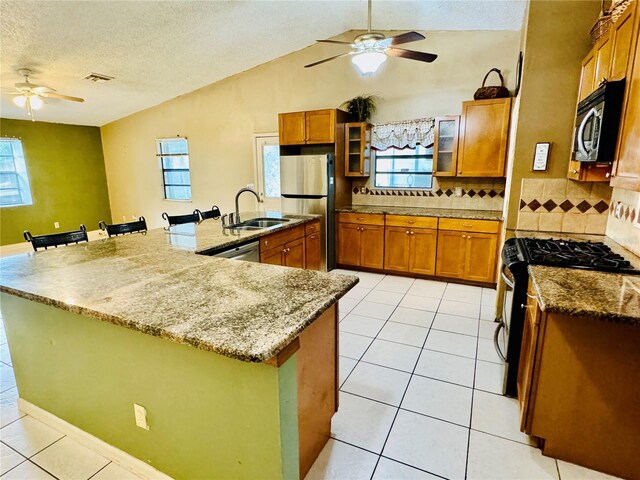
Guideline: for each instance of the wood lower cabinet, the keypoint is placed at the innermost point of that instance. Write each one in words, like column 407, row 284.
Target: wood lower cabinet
column 410, row 250
column 313, row 254
column 467, row 249
column 361, row 244
column 577, row 388
column 292, row 248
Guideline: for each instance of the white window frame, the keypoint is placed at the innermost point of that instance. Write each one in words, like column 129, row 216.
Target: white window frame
column 375, row 172
column 20, row 171
column 160, row 155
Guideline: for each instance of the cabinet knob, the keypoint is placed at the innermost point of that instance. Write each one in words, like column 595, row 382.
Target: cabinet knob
column 407, row 232
column 360, row 218
column 411, row 222
column 522, row 305
column 607, row 175
column 459, row 171
column 575, row 172
column 467, row 225
column 411, row 233
column 266, row 242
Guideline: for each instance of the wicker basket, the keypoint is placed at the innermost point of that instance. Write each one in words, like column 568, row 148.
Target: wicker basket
column 601, row 27
column 617, row 7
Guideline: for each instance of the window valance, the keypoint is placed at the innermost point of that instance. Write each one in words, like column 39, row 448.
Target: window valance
column 406, row 133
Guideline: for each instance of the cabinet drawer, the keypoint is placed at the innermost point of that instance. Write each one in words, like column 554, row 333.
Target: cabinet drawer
column 280, row 238
column 461, row 224
column 362, row 218
column 312, row 227
column 411, row 221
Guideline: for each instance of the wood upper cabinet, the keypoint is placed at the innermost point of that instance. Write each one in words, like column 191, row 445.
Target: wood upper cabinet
column 620, row 38
column 587, row 75
column 313, row 127
column 357, row 149
column 626, row 169
column 361, row 244
column 445, row 146
column 484, row 127
column 602, row 53
column 292, row 128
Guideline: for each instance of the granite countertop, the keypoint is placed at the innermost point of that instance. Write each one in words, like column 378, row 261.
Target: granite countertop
column 425, row 212
column 587, row 293
column 208, row 236
column 155, row 284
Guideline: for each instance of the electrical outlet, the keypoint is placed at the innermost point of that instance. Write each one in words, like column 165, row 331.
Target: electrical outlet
column 124, row 218
column 458, row 191
column 252, row 186
column 141, row 416
column 56, row 225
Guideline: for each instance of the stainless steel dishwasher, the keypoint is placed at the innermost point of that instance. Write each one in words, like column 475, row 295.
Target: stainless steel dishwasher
column 249, row 252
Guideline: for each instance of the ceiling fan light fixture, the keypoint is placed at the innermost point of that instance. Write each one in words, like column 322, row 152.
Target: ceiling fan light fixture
column 368, row 62
column 36, row 102
column 20, row 100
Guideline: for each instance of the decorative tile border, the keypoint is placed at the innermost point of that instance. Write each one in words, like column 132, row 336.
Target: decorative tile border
column 564, row 206
column 470, row 193
column 627, row 214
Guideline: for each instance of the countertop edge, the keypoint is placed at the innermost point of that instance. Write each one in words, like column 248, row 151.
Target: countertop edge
column 468, row 214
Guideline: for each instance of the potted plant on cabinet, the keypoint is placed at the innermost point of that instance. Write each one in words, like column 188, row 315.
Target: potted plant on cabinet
column 361, row 107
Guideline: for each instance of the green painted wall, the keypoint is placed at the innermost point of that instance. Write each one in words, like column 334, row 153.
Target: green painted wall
column 67, row 177
column 209, row 416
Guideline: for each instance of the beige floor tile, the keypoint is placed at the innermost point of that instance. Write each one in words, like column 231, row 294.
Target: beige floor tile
column 339, row 461
column 9, row 407
column 456, row 307
column 357, row 293
column 427, row 288
column 498, row 415
column 353, row 346
column 487, row 351
column 447, row 367
column 487, row 329
column 395, row 284
column 377, row 383
column 7, row 380
column 27, row 471
column 68, row 459
column 456, row 324
column 454, row 343
column 429, row 444
column 390, row 470
column 366, row 326
column 382, row 296
column 353, row 422
column 412, row 316
column 437, row 399
column 115, row 472
column 28, row 436
column 420, row 303
column 392, row 355
column 489, row 376
column 9, row 459
column 402, row 333
column 571, row 471
column 496, row 458
column 373, row 310
column 345, row 366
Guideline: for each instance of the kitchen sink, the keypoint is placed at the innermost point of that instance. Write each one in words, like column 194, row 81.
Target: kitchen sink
column 258, row 223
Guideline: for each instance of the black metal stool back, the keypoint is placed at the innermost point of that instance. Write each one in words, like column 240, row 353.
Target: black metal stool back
column 116, row 229
column 55, row 239
column 213, row 213
column 180, row 219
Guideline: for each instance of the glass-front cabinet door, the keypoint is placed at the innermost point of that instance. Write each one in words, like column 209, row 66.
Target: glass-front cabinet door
column 357, row 149
column 445, row 146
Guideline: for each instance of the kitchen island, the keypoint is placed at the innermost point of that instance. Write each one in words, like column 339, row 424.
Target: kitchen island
column 235, row 362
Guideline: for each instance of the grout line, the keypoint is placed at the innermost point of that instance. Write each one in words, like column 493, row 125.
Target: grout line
column 356, row 446
column 108, row 463
column 558, row 469
column 504, row 438
column 403, row 394
column 475, row 365
column 43, row 469
column 15, row 466
column 41, row 450
column 413, row 466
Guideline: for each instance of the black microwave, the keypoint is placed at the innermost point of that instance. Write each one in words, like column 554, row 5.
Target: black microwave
column 597, row 123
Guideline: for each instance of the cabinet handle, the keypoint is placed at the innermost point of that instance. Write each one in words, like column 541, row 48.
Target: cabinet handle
column 411, row 222
column 312, row 236
column 459, row 171
column 266, row 242
column 468, row 225
column 575, row 172
column 608, row 175
column 360, row 218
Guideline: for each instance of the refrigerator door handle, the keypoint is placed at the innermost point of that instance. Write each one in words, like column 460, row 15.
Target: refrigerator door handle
column 293, row 195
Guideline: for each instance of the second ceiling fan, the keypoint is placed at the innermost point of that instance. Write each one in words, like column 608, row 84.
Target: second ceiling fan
column 370, row 49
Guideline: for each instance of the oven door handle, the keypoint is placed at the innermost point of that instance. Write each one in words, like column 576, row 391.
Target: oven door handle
column 496, row 334
column 581, row 146
column 506, row 279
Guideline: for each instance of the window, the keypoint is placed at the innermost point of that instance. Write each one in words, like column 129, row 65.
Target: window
column 404, row 168
column 174, row 159
column 14, row 182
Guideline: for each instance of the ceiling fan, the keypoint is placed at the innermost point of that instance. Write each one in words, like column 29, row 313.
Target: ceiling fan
column 370, row 50
column 31, row 96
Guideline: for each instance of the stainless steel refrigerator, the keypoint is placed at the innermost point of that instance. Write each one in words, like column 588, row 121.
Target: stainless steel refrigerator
column 307, row 185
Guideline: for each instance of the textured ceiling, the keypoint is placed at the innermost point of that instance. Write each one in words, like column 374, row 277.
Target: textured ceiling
column 157, row 50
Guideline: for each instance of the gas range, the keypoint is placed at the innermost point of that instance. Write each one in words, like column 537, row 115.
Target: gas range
column 565, row 254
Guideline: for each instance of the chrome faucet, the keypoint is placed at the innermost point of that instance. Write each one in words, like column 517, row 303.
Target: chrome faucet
column 236, row 219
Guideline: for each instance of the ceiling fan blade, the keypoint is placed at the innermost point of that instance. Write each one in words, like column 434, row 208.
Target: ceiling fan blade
column 63, row 97
column 39, row 89
column 411, row 54
column 328, row 59
column 334, row 41
column 402, row 38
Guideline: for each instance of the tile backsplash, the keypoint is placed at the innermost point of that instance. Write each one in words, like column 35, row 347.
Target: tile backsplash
column 562, row 205
column 474, row 194
column 623, row 224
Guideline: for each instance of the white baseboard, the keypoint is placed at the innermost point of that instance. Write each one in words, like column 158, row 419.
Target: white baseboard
column 114, row 454
column 25, row 247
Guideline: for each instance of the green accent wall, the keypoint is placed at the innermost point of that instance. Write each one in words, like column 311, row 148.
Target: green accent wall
column 66, row 171
column 209, row 416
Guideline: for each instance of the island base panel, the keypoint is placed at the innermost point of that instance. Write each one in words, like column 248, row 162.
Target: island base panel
column 210, row 416
column 585, row 405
